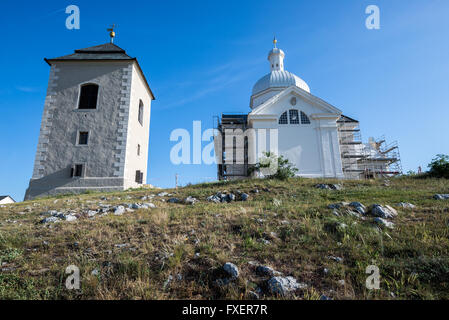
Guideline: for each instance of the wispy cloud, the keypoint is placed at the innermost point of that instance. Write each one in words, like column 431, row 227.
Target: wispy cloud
column 27, row 89
column 215, row 79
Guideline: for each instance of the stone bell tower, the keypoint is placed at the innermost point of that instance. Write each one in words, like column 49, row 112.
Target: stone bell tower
column 95, row 126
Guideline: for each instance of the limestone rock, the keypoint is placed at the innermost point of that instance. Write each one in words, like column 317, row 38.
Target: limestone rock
column 231, row 269
column 384, row 212
column 284, row 285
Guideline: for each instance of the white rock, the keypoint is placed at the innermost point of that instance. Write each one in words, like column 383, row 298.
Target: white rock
column 384, row 223
column 406, row 205
column 284, row 285
column 384, row 212
column 231, row 269
column 119, row 210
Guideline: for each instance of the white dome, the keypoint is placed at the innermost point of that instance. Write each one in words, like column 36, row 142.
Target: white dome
column 279, row 79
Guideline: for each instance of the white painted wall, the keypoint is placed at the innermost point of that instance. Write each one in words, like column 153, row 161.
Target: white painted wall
column 137, row 133
column 7, row 200
column 313, row 148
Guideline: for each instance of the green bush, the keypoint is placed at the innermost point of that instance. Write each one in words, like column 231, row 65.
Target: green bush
column 439, row 167
column 285, row 169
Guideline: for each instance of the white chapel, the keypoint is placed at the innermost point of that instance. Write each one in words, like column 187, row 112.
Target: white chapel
column 311, row 133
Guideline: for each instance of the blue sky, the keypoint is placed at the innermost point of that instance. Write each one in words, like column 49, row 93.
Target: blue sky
column 203, row 57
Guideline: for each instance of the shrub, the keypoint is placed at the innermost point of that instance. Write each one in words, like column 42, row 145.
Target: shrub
column 284, row 170
column 439, row 167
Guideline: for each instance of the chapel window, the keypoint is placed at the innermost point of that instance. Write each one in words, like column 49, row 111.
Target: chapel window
column 294, row 117
column 304, row 118
column 283, row 119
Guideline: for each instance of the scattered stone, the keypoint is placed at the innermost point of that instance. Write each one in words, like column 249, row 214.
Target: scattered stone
column 337, row 205
column 253, row 295
column 267, row 271
column 168, row 281
column 406, row 205
column 173, row 200
column 231, row 269
column 163, row 194
column 441, row 197
column 341, row 282
column 190, row 200
column 50, row 220
column 91, row 213
column 284, row 285
column 324, row 297
column 328, row 186
column 384, row 223
column 244, row 196
column 213, row 199
column 336, row 259
column 119, row 210
column 384, row 212
column 255, row 191
column 359, row 207
column 51, row 213
column 136, row 206
column 70, row 218
column 95, row 272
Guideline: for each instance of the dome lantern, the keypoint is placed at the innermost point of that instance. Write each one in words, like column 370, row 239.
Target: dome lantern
column 276, row 58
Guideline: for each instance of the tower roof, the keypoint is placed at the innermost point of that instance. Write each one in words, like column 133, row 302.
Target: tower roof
column 102, row 52
column 107, row 51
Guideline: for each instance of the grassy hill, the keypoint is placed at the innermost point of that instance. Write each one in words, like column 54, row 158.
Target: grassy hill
column 177, row 250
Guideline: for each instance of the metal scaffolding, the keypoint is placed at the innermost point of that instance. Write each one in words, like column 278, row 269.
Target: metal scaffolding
column 375, row 159
column 233, row 166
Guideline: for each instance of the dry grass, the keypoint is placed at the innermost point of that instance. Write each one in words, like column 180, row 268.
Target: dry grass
column 413, row 258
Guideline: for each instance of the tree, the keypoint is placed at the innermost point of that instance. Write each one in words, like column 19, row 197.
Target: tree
column 277, row 167
column 439, row 167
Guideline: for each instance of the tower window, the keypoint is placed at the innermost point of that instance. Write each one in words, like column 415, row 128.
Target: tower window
column 138, row 149
column 88, row 96
column 140, row 112
column 77, row 170
column 83, row 138
column 139, row 176
column 283, row 119
column 304, row 118
column 294, row 117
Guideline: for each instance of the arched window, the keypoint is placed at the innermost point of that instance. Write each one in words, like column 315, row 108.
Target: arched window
column 88, row 96
column 304, row 118
column 283, row 119
column 294, row 117
column 140, row 112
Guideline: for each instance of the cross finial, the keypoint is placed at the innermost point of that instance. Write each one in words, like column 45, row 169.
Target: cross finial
column 275, row 41
column 112, row 33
